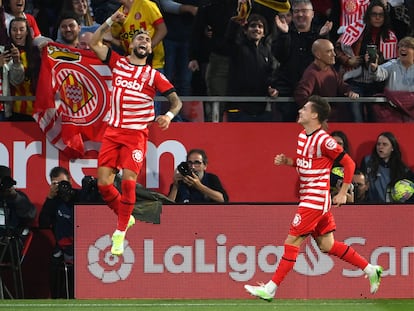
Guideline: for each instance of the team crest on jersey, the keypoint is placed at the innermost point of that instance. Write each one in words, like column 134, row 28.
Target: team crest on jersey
column 331, row 143
column 138, row 155
column 297, row 220
column 137, row 16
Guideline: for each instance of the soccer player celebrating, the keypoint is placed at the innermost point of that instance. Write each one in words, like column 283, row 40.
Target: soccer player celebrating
column 134, row 85
column 316, row 151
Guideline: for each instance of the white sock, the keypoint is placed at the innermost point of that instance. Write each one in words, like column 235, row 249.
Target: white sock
column 119, row 232
column 271, row 287
column 369, row 270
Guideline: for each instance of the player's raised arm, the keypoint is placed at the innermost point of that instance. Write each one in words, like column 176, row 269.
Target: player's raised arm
column 96, row 43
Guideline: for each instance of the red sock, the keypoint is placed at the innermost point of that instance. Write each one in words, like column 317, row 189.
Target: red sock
column 111, row 196
column 126, row 204
column 286, row 263
column 348, row 254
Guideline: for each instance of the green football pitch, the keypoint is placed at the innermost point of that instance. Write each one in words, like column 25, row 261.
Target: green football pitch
column 210, row 305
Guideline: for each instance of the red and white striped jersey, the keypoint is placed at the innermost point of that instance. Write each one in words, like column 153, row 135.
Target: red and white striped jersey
column 315, row 156
column 133, row 91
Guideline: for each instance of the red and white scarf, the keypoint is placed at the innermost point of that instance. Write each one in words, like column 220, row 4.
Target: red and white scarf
column 351, row 35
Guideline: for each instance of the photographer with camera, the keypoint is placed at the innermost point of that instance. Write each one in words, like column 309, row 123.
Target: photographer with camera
column 192, row 184
column 58, row 214
column 16, row 214
column 16, row 209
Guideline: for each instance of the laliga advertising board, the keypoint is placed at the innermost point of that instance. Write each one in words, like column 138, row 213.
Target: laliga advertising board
column 241, row 154
column 212, row 251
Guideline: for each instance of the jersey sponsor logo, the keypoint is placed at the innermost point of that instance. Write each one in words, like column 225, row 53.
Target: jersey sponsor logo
column 331, row 143
column 132, row 85
column 303, row 163
column 138, row 155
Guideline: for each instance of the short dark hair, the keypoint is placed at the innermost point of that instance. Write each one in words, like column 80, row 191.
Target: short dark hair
column 57, row 171
column 321, row 106
column 199, row 151
column 257, row 18
column 68, row 15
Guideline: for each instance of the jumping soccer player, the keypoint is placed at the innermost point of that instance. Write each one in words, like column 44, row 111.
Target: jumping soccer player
column 134, row 85
column 316, row 152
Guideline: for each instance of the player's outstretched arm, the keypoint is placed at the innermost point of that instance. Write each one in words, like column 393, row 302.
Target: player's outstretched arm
column 282, row 159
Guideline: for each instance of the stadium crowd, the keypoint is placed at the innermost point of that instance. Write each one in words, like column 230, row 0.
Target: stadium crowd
column 231, row 48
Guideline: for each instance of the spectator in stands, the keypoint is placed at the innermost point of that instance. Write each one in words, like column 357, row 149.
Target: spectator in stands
column 84, row 39
column 11, row 74
column 292, row 48
column 179, row 18
column 399, row 18
column 15, row 8
column 398, row 75
column 47, row 13
column 150, row 19
column 384, row 167
column 194, row 184
column 102, row 9
column 57, row 214
column 342, row 140
column 29, row 57
column 81, row 9
column 321, row 78
column 208, row 41
column 251, row 69
column 361, row 186
column 70, row 29
column 352, row 47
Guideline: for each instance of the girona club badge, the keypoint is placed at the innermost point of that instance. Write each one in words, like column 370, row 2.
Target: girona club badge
column 79, row 94
column 350, row 6
column 297, row 220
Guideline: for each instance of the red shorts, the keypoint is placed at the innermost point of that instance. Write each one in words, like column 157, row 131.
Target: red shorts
column 123, row 148
column 312, row 221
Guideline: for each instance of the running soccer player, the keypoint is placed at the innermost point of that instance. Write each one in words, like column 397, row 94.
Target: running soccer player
column 134, row 85
column 316, row 151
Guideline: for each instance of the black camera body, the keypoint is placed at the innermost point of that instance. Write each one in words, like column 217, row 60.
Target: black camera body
column 65, row 191
column 6, row 182
column 185, row 169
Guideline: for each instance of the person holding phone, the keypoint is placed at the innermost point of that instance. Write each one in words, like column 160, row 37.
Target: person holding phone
column 372, row 35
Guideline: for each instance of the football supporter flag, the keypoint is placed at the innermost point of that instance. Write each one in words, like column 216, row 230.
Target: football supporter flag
column 72, row 99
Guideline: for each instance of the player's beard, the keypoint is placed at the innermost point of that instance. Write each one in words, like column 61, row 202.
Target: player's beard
column 139, row 55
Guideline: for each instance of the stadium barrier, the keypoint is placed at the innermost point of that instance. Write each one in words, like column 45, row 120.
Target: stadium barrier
column 211, row 251
column 197, row 102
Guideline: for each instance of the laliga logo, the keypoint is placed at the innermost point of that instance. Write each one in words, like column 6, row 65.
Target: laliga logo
column 107, row 267
column 313, row 262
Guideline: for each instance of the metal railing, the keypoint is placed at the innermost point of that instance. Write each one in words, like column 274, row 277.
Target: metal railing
column 216, row 100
